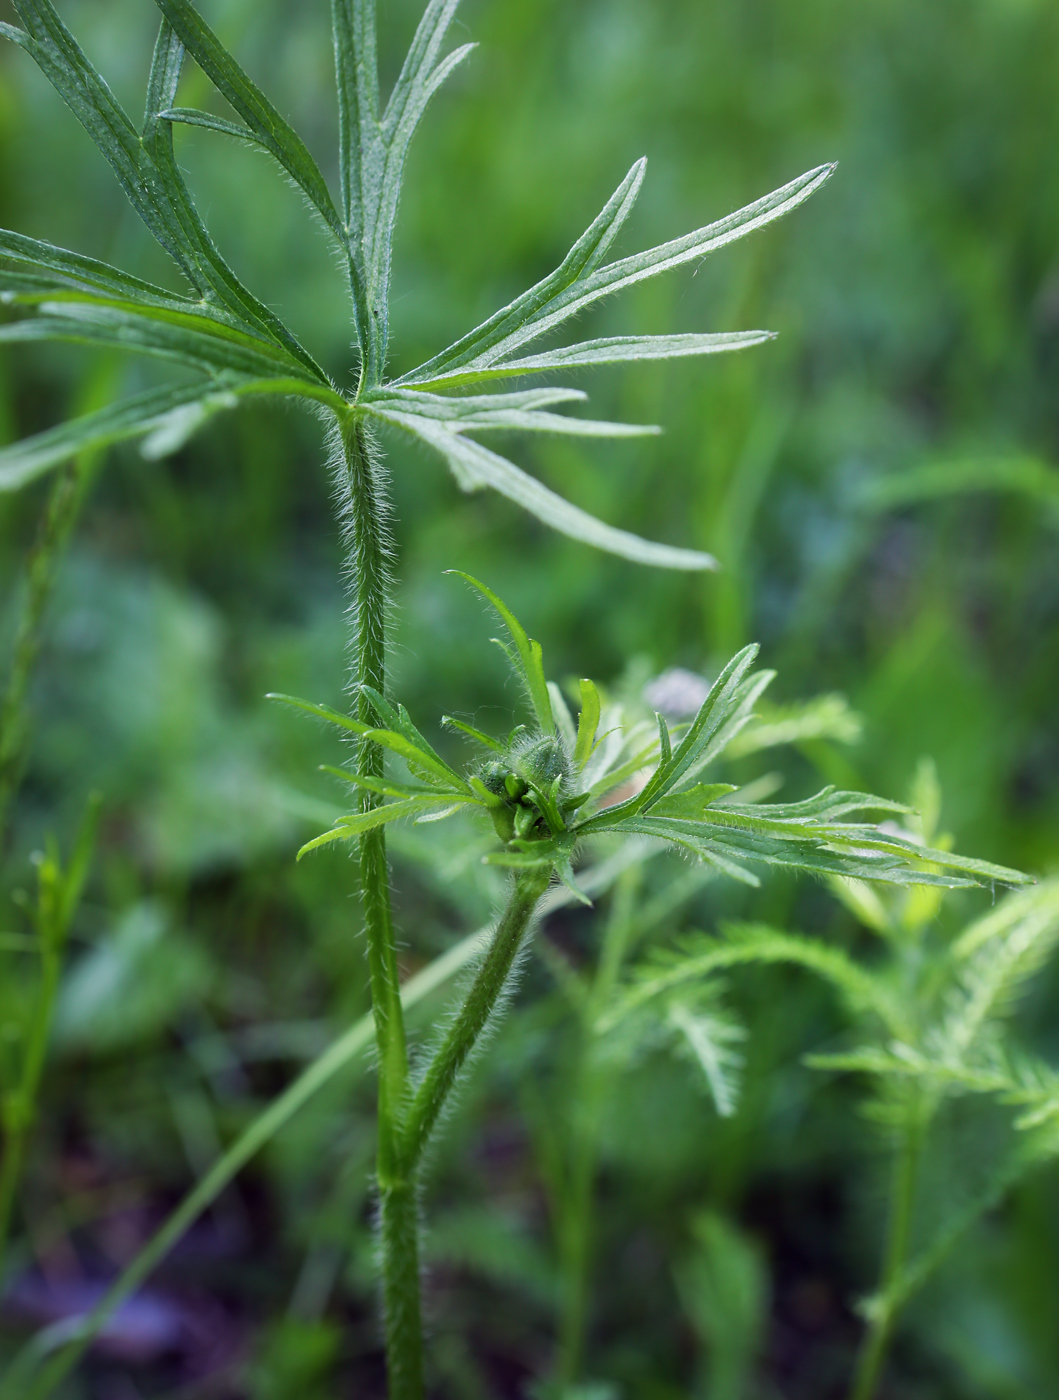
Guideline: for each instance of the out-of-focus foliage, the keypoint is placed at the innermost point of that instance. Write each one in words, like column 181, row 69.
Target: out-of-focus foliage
column 878, row 485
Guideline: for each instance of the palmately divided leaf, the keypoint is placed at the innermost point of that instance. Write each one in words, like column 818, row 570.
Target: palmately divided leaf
column 475, row 466
column 574, row 286
column 400, row 722
column 191, row 116
column 486, row 740
column 158, row 411
column 718, row 706
column 323, row 712
column 144, row 163
column 452, row 408
column 583, row 257
column 796, row 849
column 611, row 350
column 274, row 133
column 691, row 802
column 740, row 714
column 165, row 185
column 191, row 339
column 423, row 761
column 374, row 148
column 23, row 461
column 496, row 415
column 359, row 822
column 31, row 270
column 530, row 660
column 61, row 60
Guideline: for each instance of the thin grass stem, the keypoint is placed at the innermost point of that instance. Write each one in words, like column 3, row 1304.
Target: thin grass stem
column 20, row 1109
column 56, row 524
column 577, row 1224
column 880, row 1327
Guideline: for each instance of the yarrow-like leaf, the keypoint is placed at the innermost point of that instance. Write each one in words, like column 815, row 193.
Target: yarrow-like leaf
column 544, row 793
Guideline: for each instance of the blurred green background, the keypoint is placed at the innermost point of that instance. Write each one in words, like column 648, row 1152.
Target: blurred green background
column 917, row 303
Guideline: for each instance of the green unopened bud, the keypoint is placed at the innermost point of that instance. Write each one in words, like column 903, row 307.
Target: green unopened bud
column 504, row 822
column 516, row 787
column 544, row 761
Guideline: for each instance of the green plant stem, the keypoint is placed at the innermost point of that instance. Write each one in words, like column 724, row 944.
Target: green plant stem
column 64, row 503
column 474, row 1014
column 398, row 1195
column 20, row 1107
column 880, row 1328
column 398, row 1227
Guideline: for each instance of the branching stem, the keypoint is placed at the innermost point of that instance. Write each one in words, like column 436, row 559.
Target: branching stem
column 474, row 1014
column 399, row 1244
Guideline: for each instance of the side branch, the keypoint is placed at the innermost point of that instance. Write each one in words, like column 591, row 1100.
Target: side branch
column 481, row 1000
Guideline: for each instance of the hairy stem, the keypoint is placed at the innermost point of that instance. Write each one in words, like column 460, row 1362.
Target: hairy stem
column 474, row 1014
column 880, row 1329
column 365, row 511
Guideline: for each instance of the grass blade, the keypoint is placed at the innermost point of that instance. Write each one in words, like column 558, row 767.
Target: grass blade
column 345, row 1052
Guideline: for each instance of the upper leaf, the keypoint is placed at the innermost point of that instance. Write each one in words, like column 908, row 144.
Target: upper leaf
column 153, row 412
column 261, row 117
column 374, row 148
column 611, row 350
column 528, row 660
column 579, row 282
column 583, row 258
column 144, row 163
column 475, row 466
